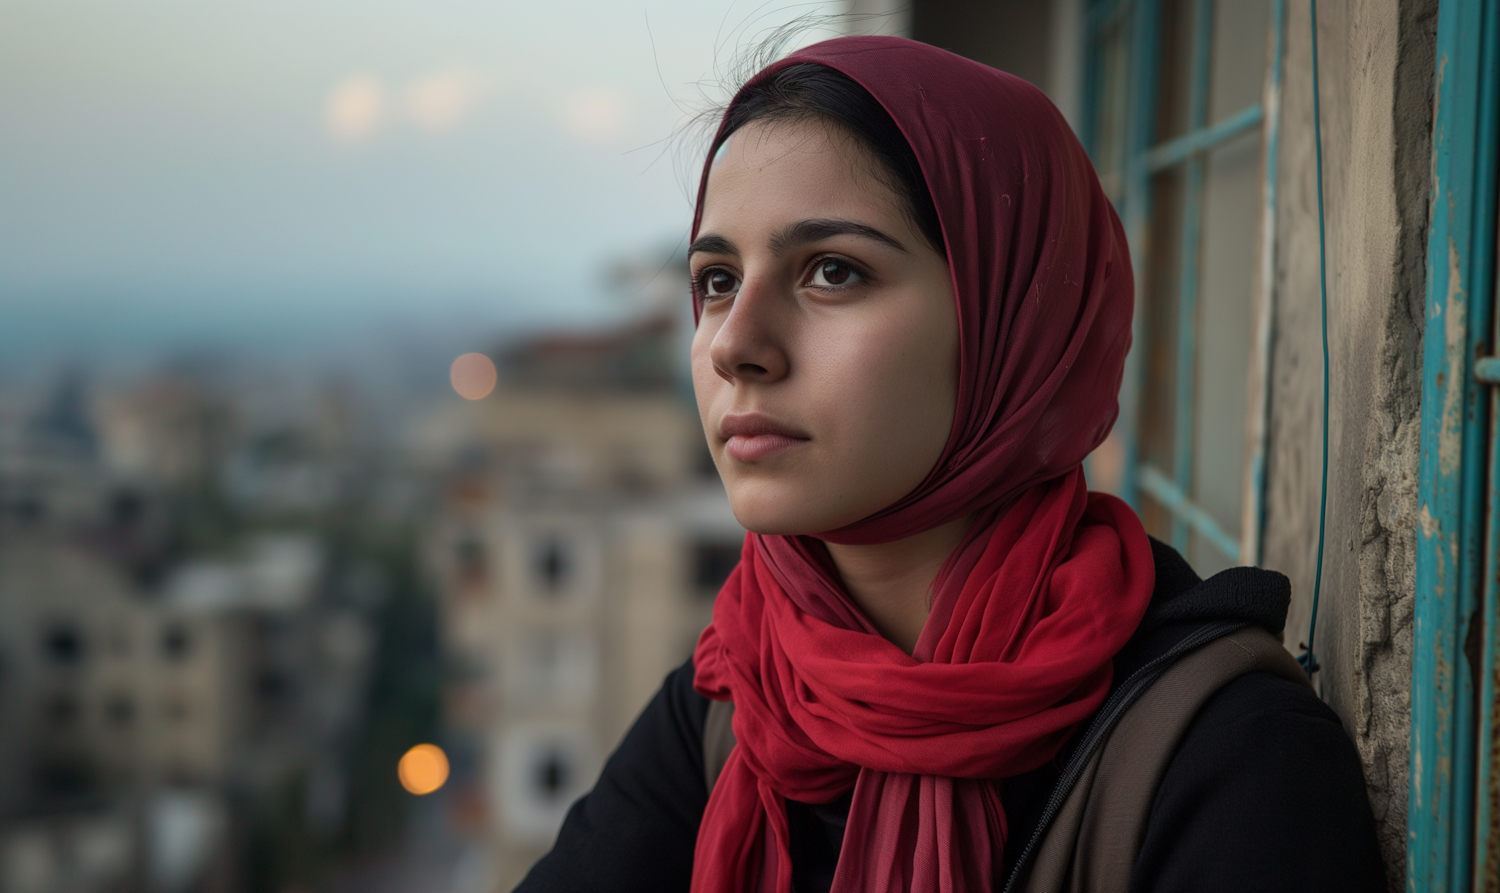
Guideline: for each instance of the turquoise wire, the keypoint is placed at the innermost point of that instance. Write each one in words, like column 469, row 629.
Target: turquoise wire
column 1309, row 660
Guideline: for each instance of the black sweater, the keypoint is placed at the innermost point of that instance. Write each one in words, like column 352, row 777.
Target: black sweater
column 1264, row 793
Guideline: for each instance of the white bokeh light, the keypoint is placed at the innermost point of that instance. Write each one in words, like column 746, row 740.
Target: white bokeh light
column 596, row 114
column 356, row 108
column 441, row 101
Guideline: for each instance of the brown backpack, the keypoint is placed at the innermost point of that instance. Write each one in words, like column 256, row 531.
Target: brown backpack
column 1092, row 825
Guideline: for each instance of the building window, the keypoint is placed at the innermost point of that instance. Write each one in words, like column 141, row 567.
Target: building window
column 63, row 643
column 712, row 564
column 176, row 643
column 30, row 510
column 119, row 710
column 541, row 772
column 551, row 774
column 61, row 711
column 1175, row 122
column 472, row 560
column 272, row 686
column 126, row 509
column 553, row 566
column 65, row 774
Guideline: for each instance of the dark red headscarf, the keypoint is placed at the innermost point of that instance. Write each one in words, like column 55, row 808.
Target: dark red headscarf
column 1050, row 581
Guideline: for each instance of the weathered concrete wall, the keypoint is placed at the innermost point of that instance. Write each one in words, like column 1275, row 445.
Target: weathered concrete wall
column 1376, row 74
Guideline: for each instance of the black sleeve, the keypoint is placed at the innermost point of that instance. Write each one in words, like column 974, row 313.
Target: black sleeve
column 636, row 829
column 1264, row 793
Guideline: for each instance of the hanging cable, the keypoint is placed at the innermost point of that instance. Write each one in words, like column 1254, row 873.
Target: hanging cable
column 1309, row 659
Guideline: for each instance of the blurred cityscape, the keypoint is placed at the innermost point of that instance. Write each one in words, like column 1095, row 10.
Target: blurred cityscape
column 232, row 599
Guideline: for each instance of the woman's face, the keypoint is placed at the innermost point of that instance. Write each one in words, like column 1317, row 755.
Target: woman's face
column 825, row 362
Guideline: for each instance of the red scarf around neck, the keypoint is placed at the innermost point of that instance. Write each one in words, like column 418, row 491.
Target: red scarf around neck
column 1056, row 588
column 1050, row 581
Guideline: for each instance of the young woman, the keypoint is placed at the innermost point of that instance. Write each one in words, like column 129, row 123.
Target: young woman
column 914, row 306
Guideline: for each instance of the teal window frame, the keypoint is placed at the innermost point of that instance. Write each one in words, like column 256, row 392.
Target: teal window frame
column 1171, row 487
column 1454, row 796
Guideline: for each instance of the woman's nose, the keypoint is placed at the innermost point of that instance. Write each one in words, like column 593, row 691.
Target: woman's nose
column 750, row 345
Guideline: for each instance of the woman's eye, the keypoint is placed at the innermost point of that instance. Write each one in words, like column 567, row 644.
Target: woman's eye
column 833, row 273
column 716, row 283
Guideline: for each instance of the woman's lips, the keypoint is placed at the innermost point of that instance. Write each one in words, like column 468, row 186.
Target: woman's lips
column 754, row 447
column 750, row 437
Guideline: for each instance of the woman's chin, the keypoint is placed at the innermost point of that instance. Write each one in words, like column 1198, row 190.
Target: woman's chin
column 785, row 513
column 771, row 523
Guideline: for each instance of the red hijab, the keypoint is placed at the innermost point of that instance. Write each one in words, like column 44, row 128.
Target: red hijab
column 1049, row 583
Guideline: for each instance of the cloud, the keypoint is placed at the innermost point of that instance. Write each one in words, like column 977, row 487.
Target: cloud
column 597, row 114
column 439, row 102
column 356, row 108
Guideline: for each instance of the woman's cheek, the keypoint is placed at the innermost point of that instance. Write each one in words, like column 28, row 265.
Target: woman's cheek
column 875, row 420
column 911, row 389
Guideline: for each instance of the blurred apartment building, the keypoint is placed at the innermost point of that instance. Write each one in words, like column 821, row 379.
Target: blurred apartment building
column 582, row 537
column 145, row 685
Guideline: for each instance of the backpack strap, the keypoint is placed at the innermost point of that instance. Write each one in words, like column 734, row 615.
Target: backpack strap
column 1096, row 830
column 718, row 740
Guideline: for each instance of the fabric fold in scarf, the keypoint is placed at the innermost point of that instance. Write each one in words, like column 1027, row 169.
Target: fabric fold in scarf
column 1051, row 580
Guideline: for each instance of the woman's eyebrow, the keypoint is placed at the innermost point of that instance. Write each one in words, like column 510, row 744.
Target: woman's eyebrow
column 805, row 231
column 712, row 244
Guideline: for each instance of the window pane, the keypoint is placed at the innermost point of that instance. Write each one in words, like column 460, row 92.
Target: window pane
column 1174, row 84
column 1113, row 97
column 1241, row 31
column 1231, row 204
column 1206, row 558
column 1159, row 297
column 712, row 564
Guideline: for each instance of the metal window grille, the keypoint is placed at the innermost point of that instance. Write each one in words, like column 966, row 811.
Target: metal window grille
column 1157, row 114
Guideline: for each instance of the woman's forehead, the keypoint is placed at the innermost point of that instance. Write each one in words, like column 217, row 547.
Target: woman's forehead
column 763, row 172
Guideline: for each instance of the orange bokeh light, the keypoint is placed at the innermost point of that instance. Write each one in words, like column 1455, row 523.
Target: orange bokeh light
column 423, row 769
column 473, row 376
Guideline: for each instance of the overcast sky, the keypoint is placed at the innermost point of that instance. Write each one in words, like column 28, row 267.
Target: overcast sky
column 181, row 171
